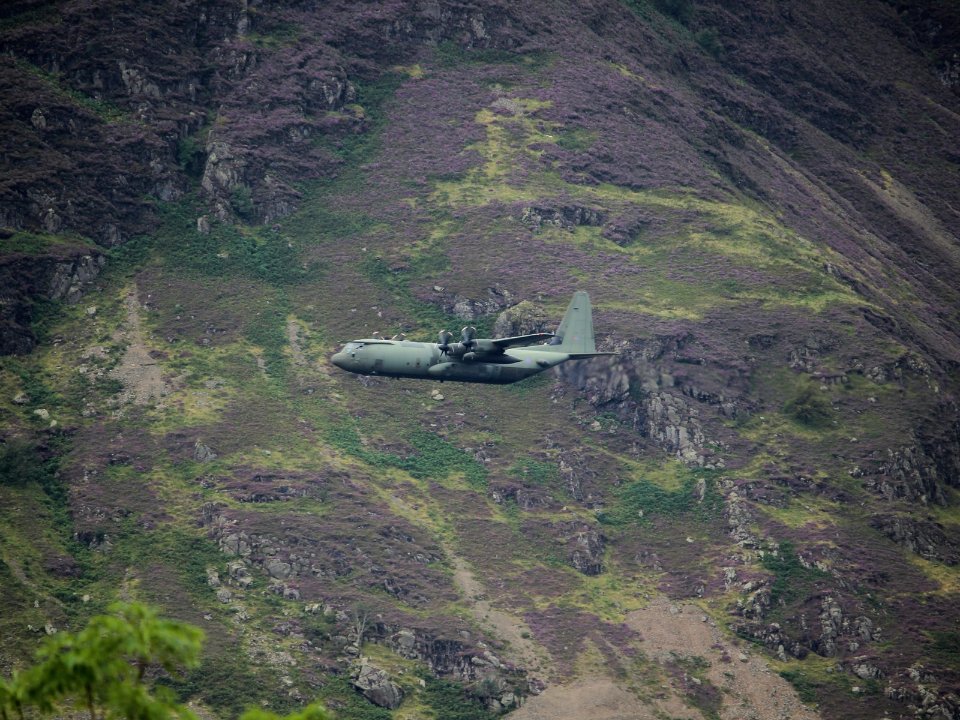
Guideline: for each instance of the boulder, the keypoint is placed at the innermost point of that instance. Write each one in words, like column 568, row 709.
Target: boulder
column 203, row 453
column 375, row 685
column 524, row 318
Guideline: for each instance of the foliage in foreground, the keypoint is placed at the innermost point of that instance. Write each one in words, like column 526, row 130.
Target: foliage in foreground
column 104, row 667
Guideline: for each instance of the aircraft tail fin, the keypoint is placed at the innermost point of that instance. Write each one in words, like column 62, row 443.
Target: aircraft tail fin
column 575, row 334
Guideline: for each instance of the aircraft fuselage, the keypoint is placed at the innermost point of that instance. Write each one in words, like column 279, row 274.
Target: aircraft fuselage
column 410, row 359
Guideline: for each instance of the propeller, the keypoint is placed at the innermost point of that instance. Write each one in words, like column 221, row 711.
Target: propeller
column 467, row 336
column 445, row 337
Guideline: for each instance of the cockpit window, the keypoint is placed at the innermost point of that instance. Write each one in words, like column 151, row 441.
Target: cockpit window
column 352, row 346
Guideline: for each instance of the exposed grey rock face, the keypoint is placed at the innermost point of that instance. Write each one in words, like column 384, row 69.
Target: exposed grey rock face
column 71, row 279
column 203, row 453
column 236, row 544
column 841, row 632
column 566, row 216
column 925, row 538
column 470, row 309
column 909, row 473
column 239, row 573
column 376, row 686
column 806, row 356
column 634, row 386
column 61, row 276
column 739, row 520
column 587, row 553
column 277, row 568
column 224, row 170
column 456, row 658
column 865, row 670
column 524, row 318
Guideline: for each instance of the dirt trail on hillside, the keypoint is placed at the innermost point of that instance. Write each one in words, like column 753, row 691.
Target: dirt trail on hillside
column 141, row 376
column 595, row 697
column 522, row 649
column 296, row 349
column 751, row 690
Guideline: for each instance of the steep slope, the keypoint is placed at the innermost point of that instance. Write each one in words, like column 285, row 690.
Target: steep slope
column 764, row 205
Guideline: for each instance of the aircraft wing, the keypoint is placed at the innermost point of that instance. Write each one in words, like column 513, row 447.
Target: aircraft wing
column 504, row 343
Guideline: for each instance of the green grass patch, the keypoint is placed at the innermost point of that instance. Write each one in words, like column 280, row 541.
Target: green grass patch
column 805, row 686
column 945, row 648
column 450, row 54
column 427, row 317
column 257, row 253
column 357, row 148
column 224, row 681
column 450, row 701
column 535, row 471
column 530, row 385
column 22, row 464
column 809, row 407
column 434, row 457
column 641, row 500
column 36, row 243
column 106, row 111
column 278, row 35
column 576, row 139
column 791, row 579
column 44, row 14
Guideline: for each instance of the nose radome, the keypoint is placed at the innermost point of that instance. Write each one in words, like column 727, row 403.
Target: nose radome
column 339, row 359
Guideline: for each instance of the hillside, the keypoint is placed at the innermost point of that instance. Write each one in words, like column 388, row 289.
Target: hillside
column 749, row 511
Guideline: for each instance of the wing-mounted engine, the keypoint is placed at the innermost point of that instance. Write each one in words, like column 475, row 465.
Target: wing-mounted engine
column 473, row 349
column 457, row 350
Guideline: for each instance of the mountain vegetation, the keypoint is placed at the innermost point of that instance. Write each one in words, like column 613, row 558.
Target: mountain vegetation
column 749, row 511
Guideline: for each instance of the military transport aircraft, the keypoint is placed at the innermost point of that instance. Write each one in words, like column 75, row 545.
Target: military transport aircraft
column 480, row 360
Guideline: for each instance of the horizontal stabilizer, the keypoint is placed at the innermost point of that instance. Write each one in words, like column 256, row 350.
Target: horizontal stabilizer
column 518, row 340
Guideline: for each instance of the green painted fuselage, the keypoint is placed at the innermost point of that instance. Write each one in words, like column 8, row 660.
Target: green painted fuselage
column 498, row 361
column 408, row 359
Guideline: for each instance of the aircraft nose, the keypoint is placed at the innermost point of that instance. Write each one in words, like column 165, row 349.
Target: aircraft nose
column 340, row 360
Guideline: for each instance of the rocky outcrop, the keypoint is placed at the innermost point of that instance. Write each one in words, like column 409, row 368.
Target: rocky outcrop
column 920, row 689
column 470, row 309
column 807, row 355
column 638, row 388
column 465, row 660
column 63, row 274
column 524, row 318
column 376, row 686
column 740, row 521
column 841, row 633
column 925, row 538
column 566, row 217
column 908, row 473
column 833, row 632
column 71, row 278
column 586, row 554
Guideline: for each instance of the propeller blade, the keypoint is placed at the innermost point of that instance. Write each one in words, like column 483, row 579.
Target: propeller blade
column 444, row 337
column 468, row 334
